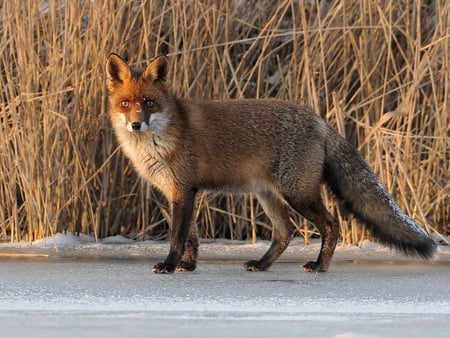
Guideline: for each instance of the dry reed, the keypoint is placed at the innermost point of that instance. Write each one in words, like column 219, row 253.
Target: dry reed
column 378, row 71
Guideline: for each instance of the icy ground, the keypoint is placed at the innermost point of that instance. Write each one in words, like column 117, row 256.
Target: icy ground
column 69, row 286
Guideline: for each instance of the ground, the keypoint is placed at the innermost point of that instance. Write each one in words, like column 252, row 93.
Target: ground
column 72, row 287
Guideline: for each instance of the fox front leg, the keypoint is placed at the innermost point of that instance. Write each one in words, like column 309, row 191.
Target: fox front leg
column 189, row 261
column 182, row 209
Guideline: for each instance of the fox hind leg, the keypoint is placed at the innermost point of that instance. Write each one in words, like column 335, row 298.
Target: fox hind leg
column 278, row 212
column 315, row 212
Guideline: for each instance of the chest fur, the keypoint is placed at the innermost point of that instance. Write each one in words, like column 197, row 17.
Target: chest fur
column 149, row 154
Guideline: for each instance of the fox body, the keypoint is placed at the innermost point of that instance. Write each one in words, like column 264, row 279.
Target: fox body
column 280, row 151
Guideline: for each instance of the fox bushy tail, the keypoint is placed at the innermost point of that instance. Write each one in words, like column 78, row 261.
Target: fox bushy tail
column 361, row 193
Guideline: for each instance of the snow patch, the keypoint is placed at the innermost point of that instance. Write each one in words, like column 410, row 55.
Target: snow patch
column 210, row 249
column 117, row 240
column 63, row 241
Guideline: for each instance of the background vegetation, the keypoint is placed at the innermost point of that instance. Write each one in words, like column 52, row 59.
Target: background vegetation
column 378, row 71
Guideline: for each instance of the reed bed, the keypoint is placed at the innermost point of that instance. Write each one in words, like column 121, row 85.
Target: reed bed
column 378, row 71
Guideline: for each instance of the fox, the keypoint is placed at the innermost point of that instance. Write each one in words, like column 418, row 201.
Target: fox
column 282, row 152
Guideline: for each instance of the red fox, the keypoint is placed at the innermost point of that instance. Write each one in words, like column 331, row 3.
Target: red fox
column 280, row 151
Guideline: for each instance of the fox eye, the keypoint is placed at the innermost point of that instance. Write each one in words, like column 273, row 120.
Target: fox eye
column 148, row 103
column 125, row 103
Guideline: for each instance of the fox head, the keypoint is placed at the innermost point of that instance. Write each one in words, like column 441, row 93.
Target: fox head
column 139, row 101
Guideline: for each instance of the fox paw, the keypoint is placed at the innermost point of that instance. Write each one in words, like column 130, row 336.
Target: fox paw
column 314, row 267
column 161, row 268
column 255, row 266
column 187, row 266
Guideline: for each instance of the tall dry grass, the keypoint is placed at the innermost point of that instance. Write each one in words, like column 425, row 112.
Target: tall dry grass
column 378, row 71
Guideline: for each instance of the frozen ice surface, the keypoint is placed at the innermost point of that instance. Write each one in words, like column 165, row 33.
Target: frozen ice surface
column 88, row 289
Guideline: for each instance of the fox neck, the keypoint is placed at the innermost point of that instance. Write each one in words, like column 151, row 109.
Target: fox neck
column 148, row 150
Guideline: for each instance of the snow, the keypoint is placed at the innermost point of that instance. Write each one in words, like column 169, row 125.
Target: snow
column 63, row 240
column 209, row 246
column 80, row 287
column 117, row 240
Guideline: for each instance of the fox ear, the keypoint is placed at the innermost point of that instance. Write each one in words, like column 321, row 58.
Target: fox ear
column 117, row 71
column 156, row 70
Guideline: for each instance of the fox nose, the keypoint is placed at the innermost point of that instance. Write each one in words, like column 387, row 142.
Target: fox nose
column 136, row 125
